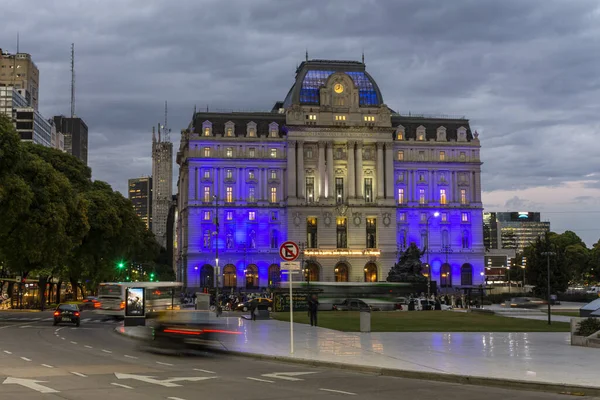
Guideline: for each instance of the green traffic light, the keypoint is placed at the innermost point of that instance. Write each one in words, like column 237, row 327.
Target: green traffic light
column 121, row 265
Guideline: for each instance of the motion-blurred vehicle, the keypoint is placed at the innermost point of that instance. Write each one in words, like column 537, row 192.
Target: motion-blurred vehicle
column 401, row 304
column 190, row 330
column 158, row 296
column 353, row 305
column 526, row 302
column 260, row 303
column 91, row 303
column 67, row 313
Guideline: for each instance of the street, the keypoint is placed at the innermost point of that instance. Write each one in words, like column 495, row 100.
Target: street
column 41, row 361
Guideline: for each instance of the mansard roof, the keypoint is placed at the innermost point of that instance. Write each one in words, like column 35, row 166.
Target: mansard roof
column 431, row 124
column 241, row 120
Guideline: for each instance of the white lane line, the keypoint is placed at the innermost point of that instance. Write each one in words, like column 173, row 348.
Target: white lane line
column 127, row 356
column 174, row 398
column 338, row 391
column 47, row 366
column 73, row 342
column 88, row 347
column 259, row 380
column 79, row 374
column 107, row 351
column 25, row 359
column 86, row 319
column 48, row 319
column 59, row 329
column 164, row 363
column 121, row 385
column 25, row 326
column 7, row 352
column 203, row 370
column 63, row 338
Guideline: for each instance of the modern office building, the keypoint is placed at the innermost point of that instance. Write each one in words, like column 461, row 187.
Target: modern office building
column 140, row 194
column 512, row 230
column 29, row 123
column 162, row 183
column 334, row 169
column 75, row 132
column 19, row 71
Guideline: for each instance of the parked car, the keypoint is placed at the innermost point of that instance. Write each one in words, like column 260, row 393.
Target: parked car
column 261, row 304
column 353, row 305
column 67, row 313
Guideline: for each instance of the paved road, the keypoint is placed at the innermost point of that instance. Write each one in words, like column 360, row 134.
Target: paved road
column 93, row 362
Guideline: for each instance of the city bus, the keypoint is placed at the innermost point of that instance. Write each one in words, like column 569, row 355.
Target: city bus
column 159, row 296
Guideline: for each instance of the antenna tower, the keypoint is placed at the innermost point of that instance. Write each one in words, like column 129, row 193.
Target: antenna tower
column 72, row 80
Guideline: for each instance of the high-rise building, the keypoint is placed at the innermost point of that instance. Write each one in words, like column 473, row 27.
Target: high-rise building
column 75, row 132
column 333, row 168
column 512, row 230
column 140, row 194
column 162, row 183
column 19, row 71
column 29, row 123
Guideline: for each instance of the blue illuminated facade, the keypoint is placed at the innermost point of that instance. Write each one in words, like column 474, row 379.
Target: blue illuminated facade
column 335, row 169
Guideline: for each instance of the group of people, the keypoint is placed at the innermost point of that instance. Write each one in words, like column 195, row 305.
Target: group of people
column 453, row 300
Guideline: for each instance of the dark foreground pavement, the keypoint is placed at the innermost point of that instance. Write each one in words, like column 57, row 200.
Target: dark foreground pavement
column 40, row 361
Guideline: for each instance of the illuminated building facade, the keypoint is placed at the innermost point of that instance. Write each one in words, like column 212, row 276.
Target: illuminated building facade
column 513, row 230
column 337, row 171
column 140, row 194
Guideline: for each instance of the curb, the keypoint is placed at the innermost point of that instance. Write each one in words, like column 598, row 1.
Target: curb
column 575, row 390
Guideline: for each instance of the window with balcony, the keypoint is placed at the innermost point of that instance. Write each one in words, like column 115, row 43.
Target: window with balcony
column 400, row 155
column 339, row 190
column 252, row 216
column 369, row 190
column 311, row 233
column 422, row 199
column 229, row 194
column 463, row 196
column 206, row 174
column 207, row 152
column 251, row 194
column 400, row 195
column 206, row 198
column 273, row 174
column 273, row 195
column 229, row 173
column 273, row 153
column 371, row 233
column 341, row 233
column 443, row 200
column 310, row 189
column 229, row 152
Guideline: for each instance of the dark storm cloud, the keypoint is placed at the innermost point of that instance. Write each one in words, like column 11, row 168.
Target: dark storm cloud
column 524, row 72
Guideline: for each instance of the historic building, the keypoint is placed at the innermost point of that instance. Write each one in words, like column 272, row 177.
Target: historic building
column 336, row 170
column 162, row 183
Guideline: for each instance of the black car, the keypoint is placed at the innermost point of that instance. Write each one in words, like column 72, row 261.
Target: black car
column 67, row 313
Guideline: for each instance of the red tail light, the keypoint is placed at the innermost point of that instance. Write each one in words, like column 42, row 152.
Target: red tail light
column 56, row 313
column 76, row 313
column 122, row 305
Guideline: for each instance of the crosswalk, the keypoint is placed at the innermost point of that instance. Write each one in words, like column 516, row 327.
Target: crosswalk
column 83, row 320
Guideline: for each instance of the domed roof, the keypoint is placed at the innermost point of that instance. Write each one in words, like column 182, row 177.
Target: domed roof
column 312, row 75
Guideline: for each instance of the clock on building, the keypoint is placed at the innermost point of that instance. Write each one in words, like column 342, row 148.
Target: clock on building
column 338, row 88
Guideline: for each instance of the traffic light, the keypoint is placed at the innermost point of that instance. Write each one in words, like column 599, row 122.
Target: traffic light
column 151, row 276
column 524, row 262
column 121, row 265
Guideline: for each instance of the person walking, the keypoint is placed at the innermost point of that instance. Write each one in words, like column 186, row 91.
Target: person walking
column 313, row 306
column 253, row 310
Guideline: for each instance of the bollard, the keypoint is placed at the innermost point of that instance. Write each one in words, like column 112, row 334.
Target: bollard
column 365, row 320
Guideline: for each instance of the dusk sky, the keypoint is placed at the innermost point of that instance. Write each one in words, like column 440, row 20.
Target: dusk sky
column 526, row 74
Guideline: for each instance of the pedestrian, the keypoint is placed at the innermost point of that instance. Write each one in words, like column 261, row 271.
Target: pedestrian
column 253, row 310
column 313, row 306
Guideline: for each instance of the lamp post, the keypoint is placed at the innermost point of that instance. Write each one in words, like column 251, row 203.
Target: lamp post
column 548, row 254
column 217, row 303
column 447, row 249
column 435, row 214
column 508, row 270
column 482, row 274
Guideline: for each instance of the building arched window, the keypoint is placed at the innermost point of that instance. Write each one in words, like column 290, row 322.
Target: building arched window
column 207, row 277
column 371, row 272
column 311, row 272
column 445, row 276
column 252, row 277
column 229, row 276
column 341, row 272
column 274, row 274
column 466, row 275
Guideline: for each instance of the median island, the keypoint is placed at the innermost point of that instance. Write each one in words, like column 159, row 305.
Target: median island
column 426, row 321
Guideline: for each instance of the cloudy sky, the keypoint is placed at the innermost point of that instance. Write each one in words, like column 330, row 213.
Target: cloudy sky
column 525, row 72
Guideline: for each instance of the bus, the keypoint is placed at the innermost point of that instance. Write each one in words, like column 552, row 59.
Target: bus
column 159, row 296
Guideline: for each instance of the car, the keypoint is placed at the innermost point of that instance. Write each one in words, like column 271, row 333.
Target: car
column 91, row 303
column 526, row 302
column 67, row 313
column 261, row 304
column 352, row 305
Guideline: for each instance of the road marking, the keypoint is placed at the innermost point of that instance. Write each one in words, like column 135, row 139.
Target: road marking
column 59, row 329
column 259, row 380
column 25, row 359
column 35, row 319
column 88, row 347
column 165, row 382
column 73, row 342
column 29, row 383
column 62, row 338
column 164, row 363
column 25, row 326
column 47, row 366
column 174, row 398
column 79, row 374
column 338, row 391
column 287, row 376
column 107, row 351
column 86, row 319
column 203, row 370
column 121, row 385
column 135, row 358
column 7, row 352
column 48, row 319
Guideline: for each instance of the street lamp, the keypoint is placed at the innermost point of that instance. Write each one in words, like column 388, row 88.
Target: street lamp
column 217, row 304
column 435, row 214
column 482, row 274
column 548, row 254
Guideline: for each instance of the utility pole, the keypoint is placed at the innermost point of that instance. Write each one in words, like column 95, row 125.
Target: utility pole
column 548, row 254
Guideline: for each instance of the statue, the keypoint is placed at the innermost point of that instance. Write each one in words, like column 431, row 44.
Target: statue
column 408, row 267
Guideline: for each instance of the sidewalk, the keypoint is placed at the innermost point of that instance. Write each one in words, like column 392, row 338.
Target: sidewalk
column 545, row 358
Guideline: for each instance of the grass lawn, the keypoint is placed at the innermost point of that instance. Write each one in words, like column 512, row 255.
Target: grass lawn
column 426, row 321
column 566, row 313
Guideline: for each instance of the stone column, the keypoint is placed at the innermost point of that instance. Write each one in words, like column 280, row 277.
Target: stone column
column 330, row 176
column 300, row 163
column 380, row 172
column 321, row 167
column 351, row 175
column 291, row 169
column 389, row 168
column 359, row 171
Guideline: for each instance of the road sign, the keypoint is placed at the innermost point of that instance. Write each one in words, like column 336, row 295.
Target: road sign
column 289, row 251
column 290, row 266
column 29, row 383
